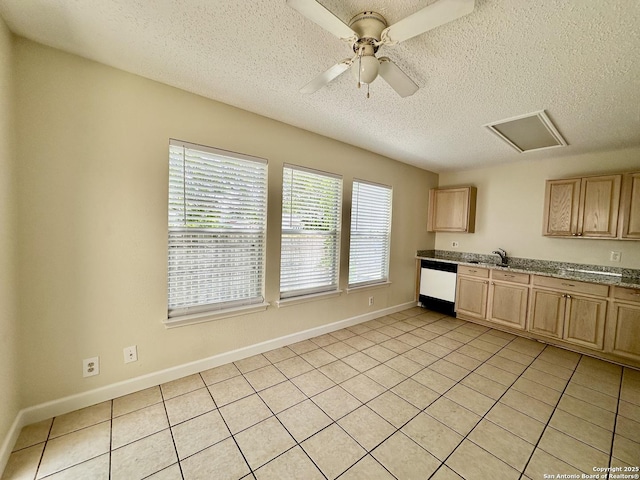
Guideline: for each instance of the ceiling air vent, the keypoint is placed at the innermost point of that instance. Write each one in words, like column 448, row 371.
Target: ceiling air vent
column 526, row 133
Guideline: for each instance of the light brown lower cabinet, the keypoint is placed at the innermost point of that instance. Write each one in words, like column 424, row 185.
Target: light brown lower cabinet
column 546, row 316
column 508, row 301
column 595, row 317
column 471, row 297
column 623, row 324
column 584, row 321
column 574, row 318
column 472, row 286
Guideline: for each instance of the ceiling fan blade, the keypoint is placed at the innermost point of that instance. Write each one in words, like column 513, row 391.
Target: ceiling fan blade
column 396, row 78
column 436, row 14
column 325, row 77
column 322, row 17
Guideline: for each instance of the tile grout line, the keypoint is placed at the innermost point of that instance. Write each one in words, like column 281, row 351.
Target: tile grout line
column 335, row 422
column 549, row 421
column 482, row 417
column 296, row 443
column 46, row 442
column 233, row 437
column 111, row 438
column 474, row 336
column 398, row 429
column 175, row 448
column 164, row 405
column 615, row 419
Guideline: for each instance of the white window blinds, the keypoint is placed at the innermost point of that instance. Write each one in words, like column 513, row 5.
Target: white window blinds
column 311, row 205
column 370, row 233
column 217, row 224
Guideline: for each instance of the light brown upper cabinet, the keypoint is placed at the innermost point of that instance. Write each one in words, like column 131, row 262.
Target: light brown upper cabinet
column 452, row 209
column 630, row 207
column 582, row 207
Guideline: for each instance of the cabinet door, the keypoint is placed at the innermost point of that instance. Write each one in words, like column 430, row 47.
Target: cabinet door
column 584, row 321
column 630, row 206
column 599, row 203
column 471, row 297
column 452, row 209
column 562, row 202
column 546, row 315
column 623, row 330
column 508, row 304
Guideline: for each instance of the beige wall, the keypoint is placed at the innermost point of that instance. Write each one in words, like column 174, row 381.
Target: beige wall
column 510, row 209
column 93, row 150
column 9, row 388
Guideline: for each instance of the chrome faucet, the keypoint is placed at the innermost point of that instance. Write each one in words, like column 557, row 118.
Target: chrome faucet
column 503, row 255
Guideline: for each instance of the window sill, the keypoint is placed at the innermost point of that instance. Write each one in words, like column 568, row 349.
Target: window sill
column 287, row 302
column 368, row 287
column 202, row 317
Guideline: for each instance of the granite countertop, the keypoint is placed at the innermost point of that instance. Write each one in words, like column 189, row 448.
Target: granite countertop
column 622, row 277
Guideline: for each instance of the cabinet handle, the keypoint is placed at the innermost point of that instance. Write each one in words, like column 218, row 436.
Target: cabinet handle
column 472, row 271
column 574, row 234
column 569, row 284
column 580, row 234
column 510, row 276
column 568, row 296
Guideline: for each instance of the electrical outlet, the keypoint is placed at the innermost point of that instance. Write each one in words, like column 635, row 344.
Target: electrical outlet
column 455, row 244
column 130, row 354
column 370, row 301
column 615, row 256
column 90, row 366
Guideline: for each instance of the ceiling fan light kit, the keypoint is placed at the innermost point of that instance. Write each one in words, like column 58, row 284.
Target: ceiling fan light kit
column 368, row 31
column 365, row 69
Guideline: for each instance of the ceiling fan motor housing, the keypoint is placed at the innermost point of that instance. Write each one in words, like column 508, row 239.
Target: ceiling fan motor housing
column 368, row 26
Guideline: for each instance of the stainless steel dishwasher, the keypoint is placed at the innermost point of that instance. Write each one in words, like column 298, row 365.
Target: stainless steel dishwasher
column 438, row 286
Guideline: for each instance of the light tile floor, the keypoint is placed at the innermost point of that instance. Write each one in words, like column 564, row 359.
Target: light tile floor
column 409, row 395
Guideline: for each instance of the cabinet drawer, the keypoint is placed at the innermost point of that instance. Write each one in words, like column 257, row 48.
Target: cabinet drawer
column 473, row 271
column 571, row 286
column 510, row 277
column 629, row 294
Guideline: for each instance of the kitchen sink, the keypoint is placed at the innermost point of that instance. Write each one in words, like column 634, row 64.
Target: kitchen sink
column 485, row 264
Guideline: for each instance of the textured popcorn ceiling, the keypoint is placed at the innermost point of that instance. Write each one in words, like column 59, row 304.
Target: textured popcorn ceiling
column 577, row 59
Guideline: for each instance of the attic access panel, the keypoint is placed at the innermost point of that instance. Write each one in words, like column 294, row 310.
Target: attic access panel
column 526, row 133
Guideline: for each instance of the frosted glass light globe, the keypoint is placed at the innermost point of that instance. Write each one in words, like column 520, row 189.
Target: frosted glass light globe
column 368, row 66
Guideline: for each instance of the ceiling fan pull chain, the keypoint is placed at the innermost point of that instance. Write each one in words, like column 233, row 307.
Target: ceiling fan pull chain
column 367, row 90
column 360, row 64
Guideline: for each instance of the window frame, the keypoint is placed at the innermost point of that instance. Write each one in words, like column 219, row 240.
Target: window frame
column 290, row 295
column 250, row 233
column 365, row 233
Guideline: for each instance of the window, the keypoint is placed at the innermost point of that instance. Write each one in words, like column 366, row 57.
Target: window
column 370, row 234
column 311, row 203
column 217, row 225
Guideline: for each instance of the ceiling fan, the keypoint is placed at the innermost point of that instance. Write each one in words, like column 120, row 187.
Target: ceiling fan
column 368, row 31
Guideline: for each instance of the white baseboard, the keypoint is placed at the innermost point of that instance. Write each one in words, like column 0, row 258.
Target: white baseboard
column 10, row 439
column 43, row 411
